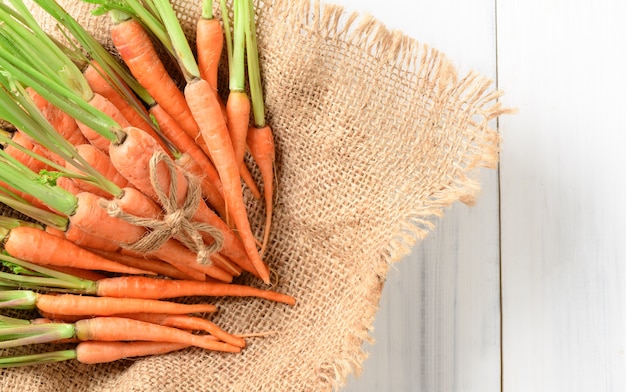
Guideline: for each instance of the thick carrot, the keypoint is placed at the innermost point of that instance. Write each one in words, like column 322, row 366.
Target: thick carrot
column 151, row 288
column 207, row 113
column 40, row 247
column 93, row 352
column 92, row 218
column 61, row 121
column 131, row 159
column 139, row 54
column 136, row 203
column 261, row 145
column 105, row 106
column 74, row 305
column 123, row 329
column 187, row 322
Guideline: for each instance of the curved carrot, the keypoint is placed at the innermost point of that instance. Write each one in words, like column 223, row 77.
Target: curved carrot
column 151, row 288
column 136, row 49
column 261, row 145
column 207, row 113
column 74, row 305
column 121, row 329
column 190, row 323
column 39, row 247
column 94, row 352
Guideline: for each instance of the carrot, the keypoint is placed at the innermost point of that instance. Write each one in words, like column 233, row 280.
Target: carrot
column 238, row 114
column 151, row 288
column 136, row 203
column 95, row 76
column 207, row 113
column 101, row 162
column 131, row 159
column 61, row 121
column 92, row 218
column 187, row 145
column 187, row 322
column 121, row 329
column 73, row 305
column 94, row 352
column 158, row 266
column 106, row 107
column 209, row 44
column 42, row 248
column 29, row 161
column 87, row 240
column 261, row 145
column 136, row 49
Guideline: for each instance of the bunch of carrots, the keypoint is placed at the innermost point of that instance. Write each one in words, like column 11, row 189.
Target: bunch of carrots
column 133, row 188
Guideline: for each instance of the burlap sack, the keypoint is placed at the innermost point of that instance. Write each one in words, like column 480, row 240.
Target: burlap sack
column 375, row 135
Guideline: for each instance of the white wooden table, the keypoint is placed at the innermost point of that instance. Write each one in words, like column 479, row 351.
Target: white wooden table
column 525, row 290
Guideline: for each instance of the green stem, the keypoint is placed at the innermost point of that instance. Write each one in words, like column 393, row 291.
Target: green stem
column 36, row 334
column 45, row 217
column 238, row 69
column 37, row 359
column 227, row 36
column 182, row 50
column 254, row 72
column 207, row 9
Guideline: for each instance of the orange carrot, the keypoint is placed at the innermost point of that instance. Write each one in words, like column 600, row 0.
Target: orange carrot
column 187, row 145
column 105, row 106
column 187, row 322
column 131, row 159
column 209, row 45
column 94, row 352
column 156, row 265
column 136, row 49
column 39, row 247
column 96, row 78
column 151, row 288
column 123, row 329
column 73, row 305
column 136, row 203
column 92, row 218
column 61, row 121
column 101, row 162
column 238, row 117
column 27, row 160
column 207, row 113
column 87, row 240
column 261, row 145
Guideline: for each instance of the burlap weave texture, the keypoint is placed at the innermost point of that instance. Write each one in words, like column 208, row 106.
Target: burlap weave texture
column 375, row 135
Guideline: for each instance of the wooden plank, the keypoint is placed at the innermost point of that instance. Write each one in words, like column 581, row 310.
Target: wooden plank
column 438, row 325
column 563, row 192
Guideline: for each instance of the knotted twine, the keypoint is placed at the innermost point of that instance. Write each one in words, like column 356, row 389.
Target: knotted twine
column 176, row 221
